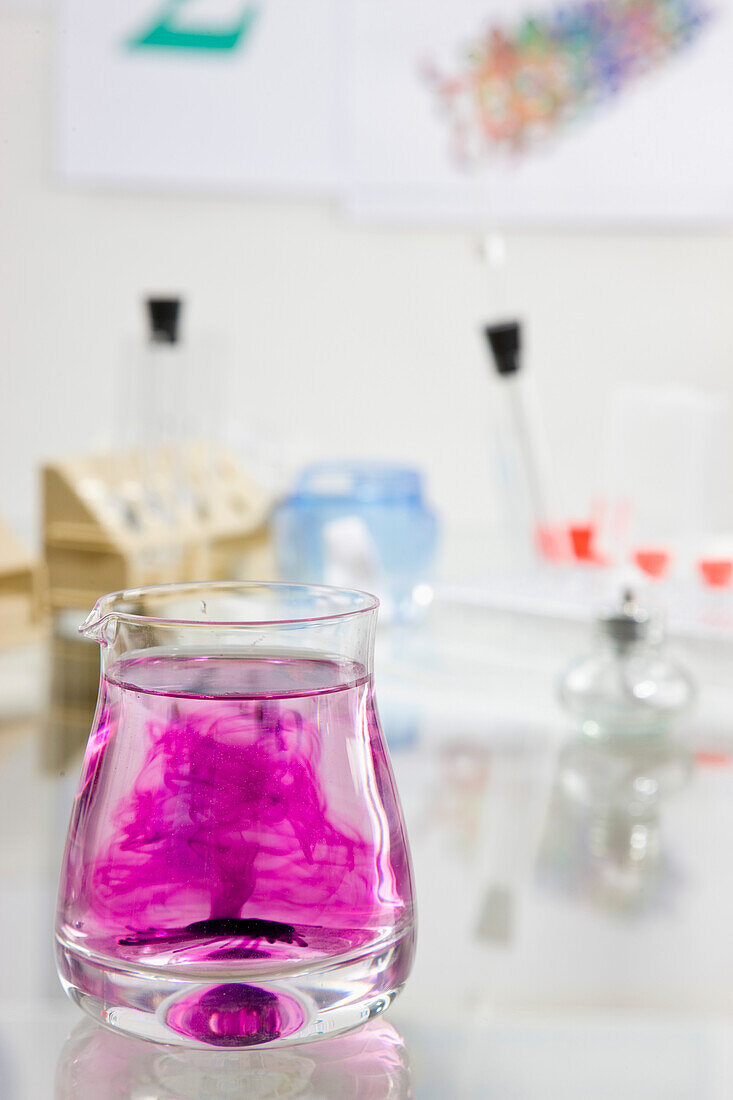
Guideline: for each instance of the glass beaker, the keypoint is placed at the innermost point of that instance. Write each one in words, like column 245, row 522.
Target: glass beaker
column 236, row 870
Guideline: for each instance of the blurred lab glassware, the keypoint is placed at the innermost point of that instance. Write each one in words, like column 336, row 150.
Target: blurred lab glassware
column 369, row 1064
column 361, row 524
column 606, row 828
column 171, row 394
column 236, row 870
column 528, row 522
column 627, row 686
column 665, row 479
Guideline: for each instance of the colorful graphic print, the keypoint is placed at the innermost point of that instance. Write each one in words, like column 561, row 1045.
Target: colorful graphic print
column 515, row 88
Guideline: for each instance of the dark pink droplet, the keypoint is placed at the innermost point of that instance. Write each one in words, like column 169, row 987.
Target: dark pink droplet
column 234, row 1015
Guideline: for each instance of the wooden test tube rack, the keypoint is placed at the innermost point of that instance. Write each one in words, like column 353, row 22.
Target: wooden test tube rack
column 21, row 592
column 121, row 521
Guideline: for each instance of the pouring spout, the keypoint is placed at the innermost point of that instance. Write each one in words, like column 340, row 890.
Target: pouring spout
column 100, row 624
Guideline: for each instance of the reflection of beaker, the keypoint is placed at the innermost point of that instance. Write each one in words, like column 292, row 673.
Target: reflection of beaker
column 73, row 687
column 371, row 1064
column 606, row 828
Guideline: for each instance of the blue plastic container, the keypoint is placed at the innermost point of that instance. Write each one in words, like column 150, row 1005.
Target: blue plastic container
column 365, row 525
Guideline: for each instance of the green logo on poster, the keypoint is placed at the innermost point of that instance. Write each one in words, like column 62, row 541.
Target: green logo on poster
column 166, row 33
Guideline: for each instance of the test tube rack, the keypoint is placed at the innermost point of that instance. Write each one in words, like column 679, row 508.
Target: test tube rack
column 21, row 629
column 121, row 521
column 21, row 592
column 108, row 527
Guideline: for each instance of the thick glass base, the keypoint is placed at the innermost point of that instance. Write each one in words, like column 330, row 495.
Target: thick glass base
column 229, row 1009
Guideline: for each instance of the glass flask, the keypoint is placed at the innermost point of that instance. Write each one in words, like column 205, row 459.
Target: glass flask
column 236, row 870
column 627, row 686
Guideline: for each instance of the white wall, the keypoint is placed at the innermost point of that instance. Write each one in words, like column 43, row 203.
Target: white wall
column 348, row 340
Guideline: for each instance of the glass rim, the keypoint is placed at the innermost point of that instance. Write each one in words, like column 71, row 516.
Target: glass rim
column 105, row 607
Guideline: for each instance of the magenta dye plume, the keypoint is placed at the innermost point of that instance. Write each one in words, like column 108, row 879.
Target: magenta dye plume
column 252, row 818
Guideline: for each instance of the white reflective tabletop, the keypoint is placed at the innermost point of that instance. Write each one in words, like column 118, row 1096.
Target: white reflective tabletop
column 575, row 903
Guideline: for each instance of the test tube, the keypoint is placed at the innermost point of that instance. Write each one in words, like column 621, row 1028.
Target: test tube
column 663, row 472
column 522, row 461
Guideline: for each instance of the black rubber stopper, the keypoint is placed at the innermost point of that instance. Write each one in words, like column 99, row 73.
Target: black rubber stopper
column 505, row 341
column 163, row 315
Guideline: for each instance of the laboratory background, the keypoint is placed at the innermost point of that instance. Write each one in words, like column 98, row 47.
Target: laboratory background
column 425, row 300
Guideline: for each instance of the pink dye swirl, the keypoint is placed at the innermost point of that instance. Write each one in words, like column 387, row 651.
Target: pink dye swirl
column 234, row 810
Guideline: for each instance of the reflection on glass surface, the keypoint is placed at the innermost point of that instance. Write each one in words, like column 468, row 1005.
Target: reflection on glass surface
column 559, row 1059
column 604, row 841
column 369, row 1064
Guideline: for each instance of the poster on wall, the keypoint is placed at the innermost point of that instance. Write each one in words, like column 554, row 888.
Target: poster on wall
column 566, row 112
column 490, row 112
column 198, row 94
